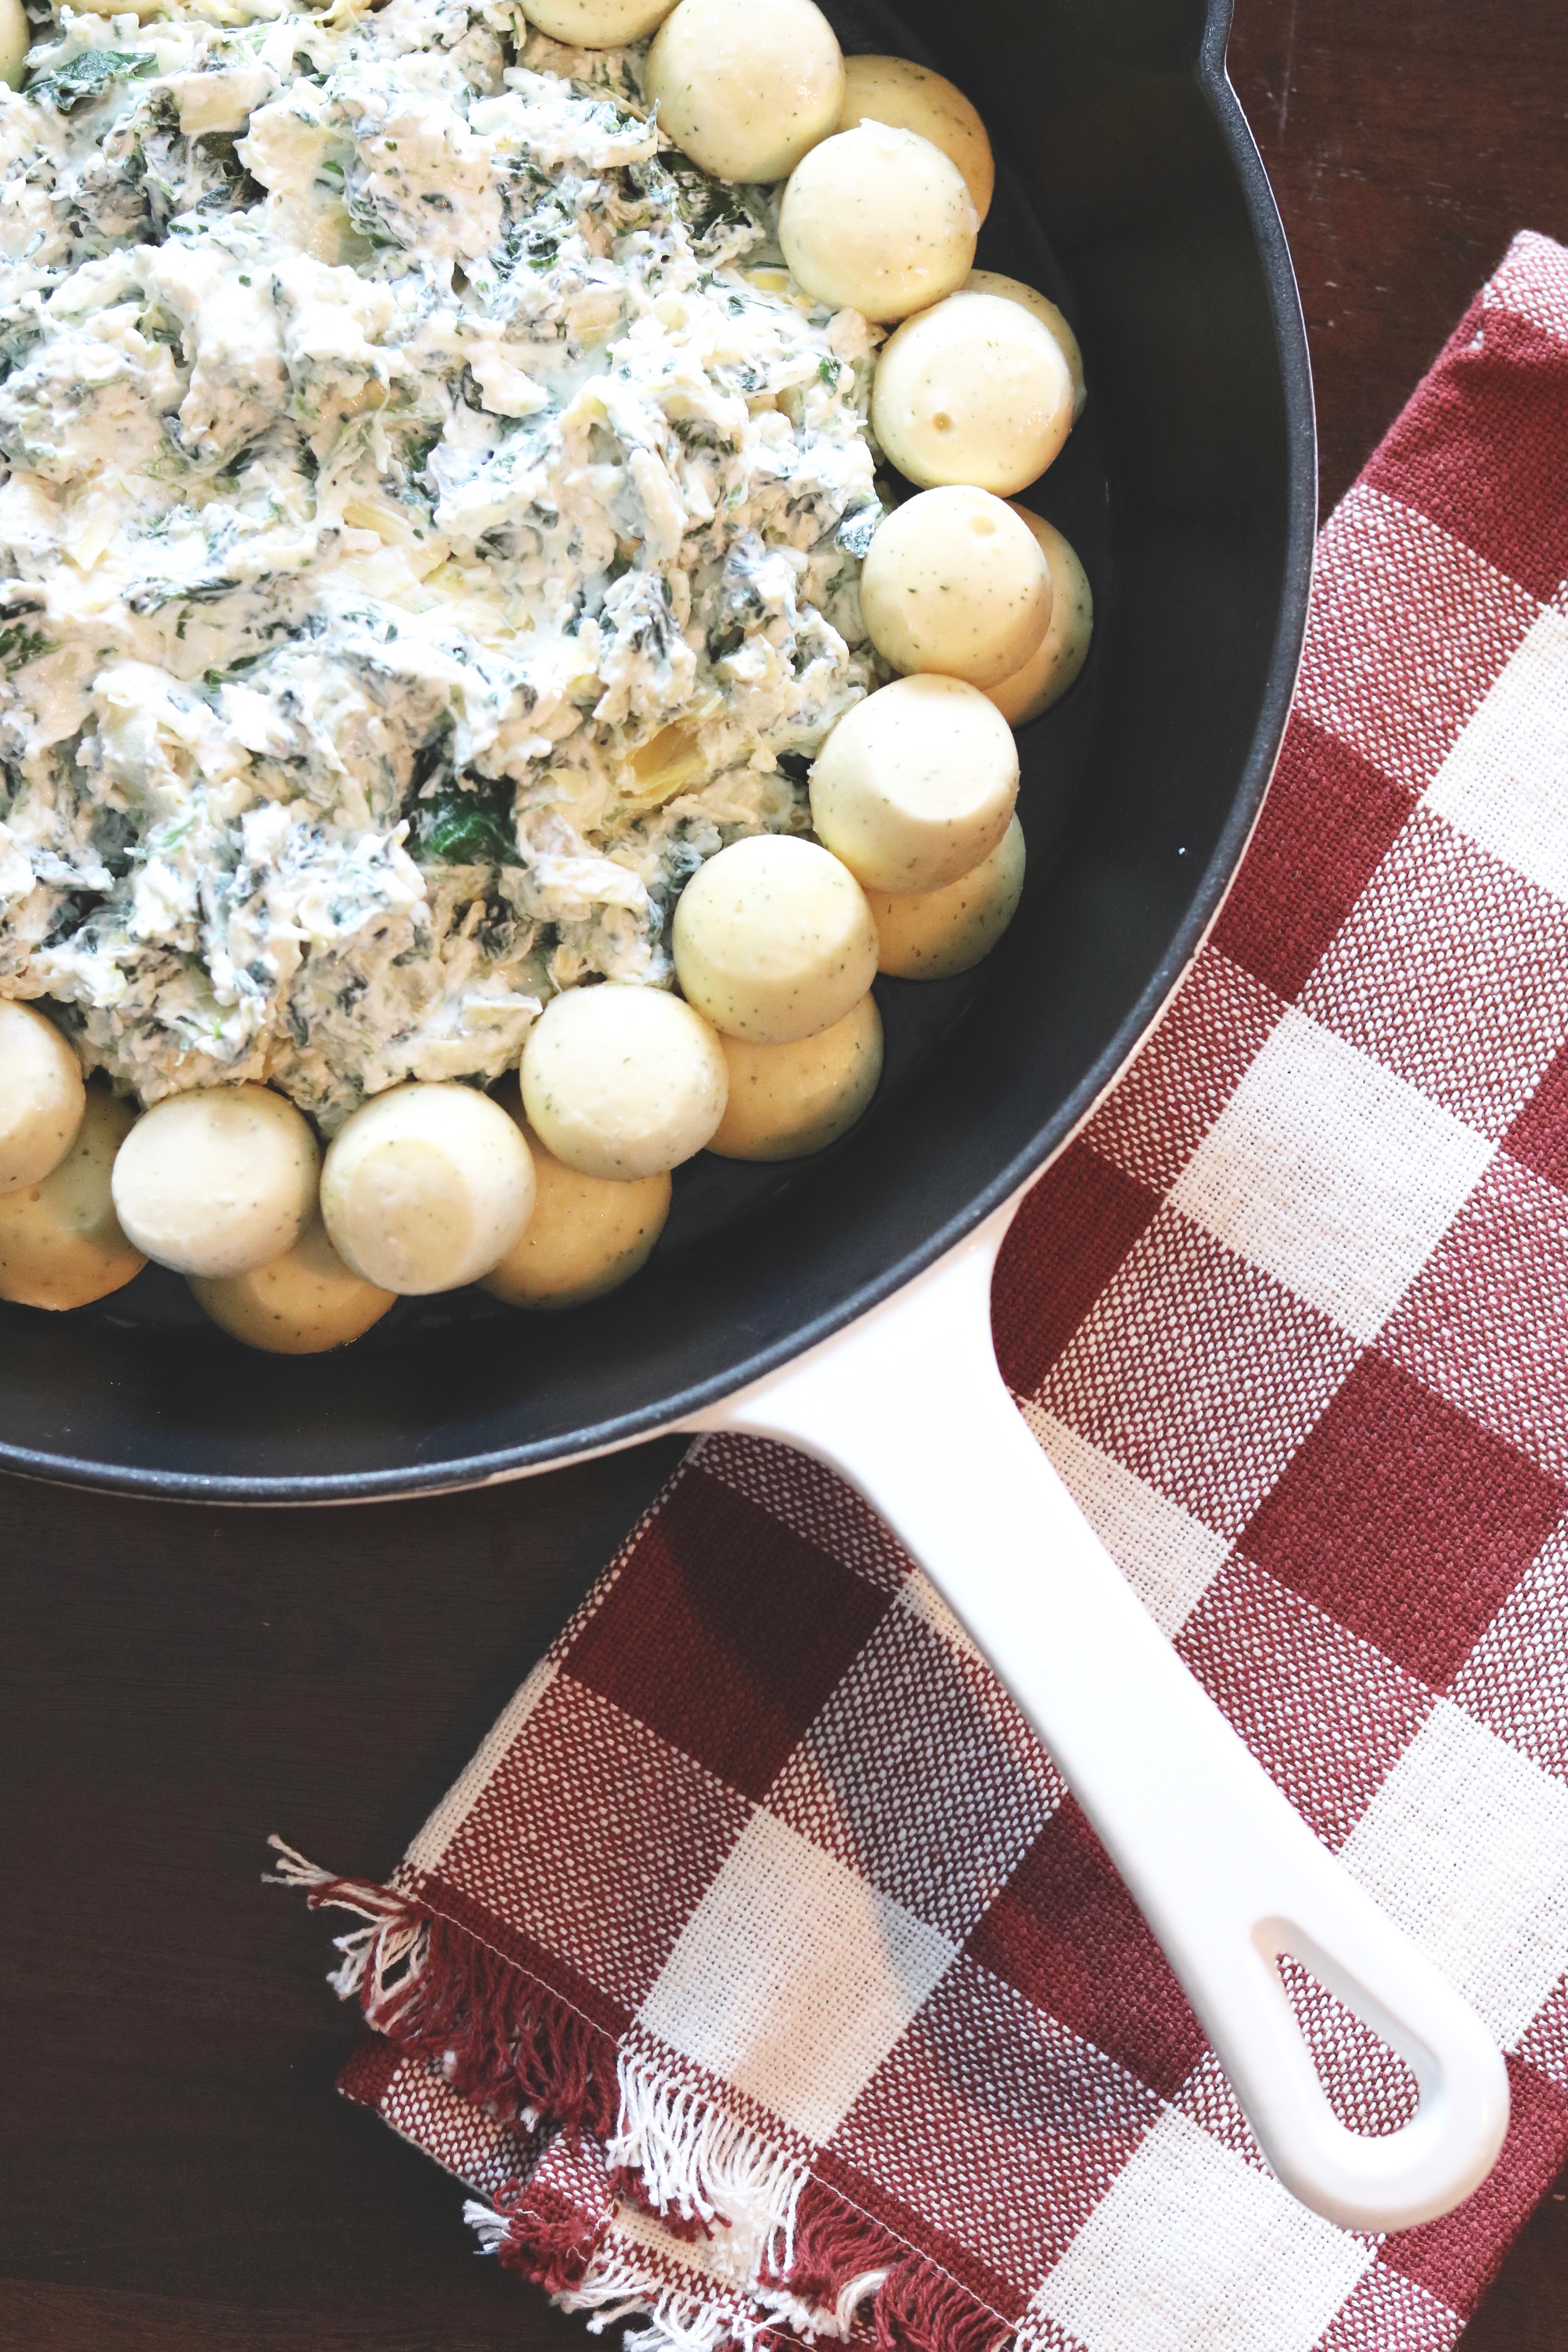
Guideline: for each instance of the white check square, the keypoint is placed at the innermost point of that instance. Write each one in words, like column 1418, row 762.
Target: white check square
column 1331, row 1173
column 1169, row 1558
column 793, row 1978
column 1465, row 1844
column 1505, row 782
column 1193, row 2250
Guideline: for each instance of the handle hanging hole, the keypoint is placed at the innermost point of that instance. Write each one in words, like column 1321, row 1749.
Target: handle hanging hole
column 1371, row 2089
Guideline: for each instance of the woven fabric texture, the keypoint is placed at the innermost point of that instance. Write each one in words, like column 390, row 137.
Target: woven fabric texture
column 759, row 1975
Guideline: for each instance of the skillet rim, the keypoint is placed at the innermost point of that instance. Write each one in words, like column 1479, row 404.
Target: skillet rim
column 665, row 1414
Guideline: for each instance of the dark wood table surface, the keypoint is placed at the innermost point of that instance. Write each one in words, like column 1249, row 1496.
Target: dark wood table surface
column 175, row 2170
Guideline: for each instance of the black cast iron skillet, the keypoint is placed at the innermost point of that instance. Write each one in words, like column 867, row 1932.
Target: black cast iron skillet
column 1130, row 191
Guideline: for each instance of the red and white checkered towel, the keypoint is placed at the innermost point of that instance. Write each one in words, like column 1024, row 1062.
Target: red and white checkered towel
column 759, row 1974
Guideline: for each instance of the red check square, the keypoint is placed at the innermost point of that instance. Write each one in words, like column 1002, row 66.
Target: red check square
column 1485, row 1324
column 535, row 1850
column 1455, row 2259
column 725, row 1632
column 1539, row 1136
column 1069, row 1935
column 1404, row 1520
column 1330, row 819
column 1187, row 1073
column 1494, row 491
column 1067, row 1240
column 1328, row 1714
column 1386, row 2310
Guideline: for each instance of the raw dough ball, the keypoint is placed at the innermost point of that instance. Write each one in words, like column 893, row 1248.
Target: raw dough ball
column 745, row 87
column 787, row 1101
column 621, row 1081
column 587, row 1233
column 880, row 221
column 912, row 98
column 60, row 1242
column 955, row 582
column 217, row 1180
column 40, row 1095
column 1040, row 306
column 935, row 934
column 1051, row 668
column 773, row 939
column 597, row 24
column 916, row 784
column 425, row 1187
column 977, row 391
column 15, row 40
column 303, row 1304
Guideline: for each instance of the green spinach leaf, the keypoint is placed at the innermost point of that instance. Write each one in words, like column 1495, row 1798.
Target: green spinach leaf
column 87, row 77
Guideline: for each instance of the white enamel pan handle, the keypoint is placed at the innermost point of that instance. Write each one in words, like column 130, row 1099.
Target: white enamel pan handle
column 908, row 1406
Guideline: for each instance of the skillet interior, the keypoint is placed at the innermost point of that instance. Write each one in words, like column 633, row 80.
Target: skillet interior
column 1130, row 190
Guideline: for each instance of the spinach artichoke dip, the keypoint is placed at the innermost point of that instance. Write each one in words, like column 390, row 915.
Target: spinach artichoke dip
column 433, row 528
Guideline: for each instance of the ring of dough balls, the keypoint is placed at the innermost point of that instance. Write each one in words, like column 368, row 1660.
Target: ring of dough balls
column 15, row 40
column 773, row 939
column 936, row 934
column 912, row 98
column 597, row 24
column 621, row 1081
column 953, row 581
column 1040, row 306
column 300, row 1304
column 217, row 1180
column 60, row 1242
column 425, row 1187
column 788, row 1100
column 975, row 390
column 587, row 1233
column 745, row 88
column 1061, row 653
column 916, row 784
column 877, row 220
column 41, row 1095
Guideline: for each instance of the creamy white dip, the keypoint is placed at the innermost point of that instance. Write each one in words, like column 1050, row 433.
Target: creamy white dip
column 432, row 527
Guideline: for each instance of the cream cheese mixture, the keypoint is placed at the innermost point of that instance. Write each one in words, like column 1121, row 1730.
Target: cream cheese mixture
column 433, row 527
